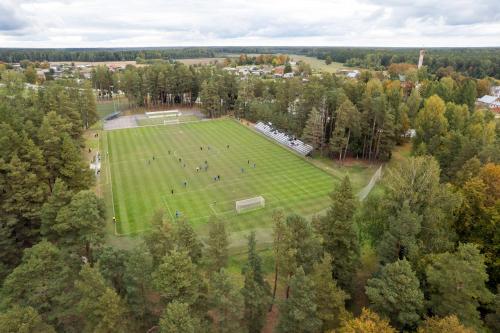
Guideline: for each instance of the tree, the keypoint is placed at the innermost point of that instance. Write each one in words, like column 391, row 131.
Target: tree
column 159, row 240
column 100, row 308
column 302, row 247
column 60, row 197
column 313, row 132
column 340, row 237
column 256, row 293
column 396, row 294
column 298, row 313
column 210, row 99
column 41, row 281
column 401, row 238
column 177, row 278
column 443, row 325
column 139, row 285
column 217, row 244
column 368, row 322
column 74, row 170
column 187, row 240
column 457, row 284
column 30, row 74
column 431, row 124
column 226, row 301
column 328, row 60
column 177, row 319
column 279, row 230
column 23, row 320
column 347, row 120
column 80, row 224
column 329, row 298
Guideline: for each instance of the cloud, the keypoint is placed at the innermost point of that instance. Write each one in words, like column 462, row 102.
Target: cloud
column 10, row 19
column 94, row 23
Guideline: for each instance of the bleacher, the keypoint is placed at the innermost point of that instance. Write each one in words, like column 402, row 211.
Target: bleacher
column 286, row 140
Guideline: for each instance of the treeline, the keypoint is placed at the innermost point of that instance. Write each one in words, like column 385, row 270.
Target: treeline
column 41, row 136
column 342, row 118
column 91, row 55
column 472, row 62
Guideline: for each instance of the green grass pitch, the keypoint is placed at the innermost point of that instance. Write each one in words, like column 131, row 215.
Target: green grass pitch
column 141, row 185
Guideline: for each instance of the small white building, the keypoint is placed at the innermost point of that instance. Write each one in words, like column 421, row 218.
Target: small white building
column 288, row 75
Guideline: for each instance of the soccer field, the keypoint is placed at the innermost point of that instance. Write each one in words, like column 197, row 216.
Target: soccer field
column 141, row 185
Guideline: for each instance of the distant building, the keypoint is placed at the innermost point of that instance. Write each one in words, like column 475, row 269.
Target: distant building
column 491, row 102
column 352, row 74
column 279, row 71
column 288, row 75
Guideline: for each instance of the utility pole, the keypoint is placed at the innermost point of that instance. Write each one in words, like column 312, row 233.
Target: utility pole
column 421, row 58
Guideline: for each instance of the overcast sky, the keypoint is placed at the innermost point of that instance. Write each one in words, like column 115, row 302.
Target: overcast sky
column 122, row 23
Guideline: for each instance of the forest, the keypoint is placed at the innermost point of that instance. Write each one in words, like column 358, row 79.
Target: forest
column 432, row 231
column 473, row 62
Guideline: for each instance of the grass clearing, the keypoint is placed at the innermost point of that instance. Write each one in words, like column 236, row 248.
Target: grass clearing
column 318, row 65
column 140, row 185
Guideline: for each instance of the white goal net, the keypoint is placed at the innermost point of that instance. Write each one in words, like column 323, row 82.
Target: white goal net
column 249, row 204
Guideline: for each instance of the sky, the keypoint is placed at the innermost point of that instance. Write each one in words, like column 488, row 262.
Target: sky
column 150, row 23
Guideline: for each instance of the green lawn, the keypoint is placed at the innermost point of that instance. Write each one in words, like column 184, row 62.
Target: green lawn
column 140, row 185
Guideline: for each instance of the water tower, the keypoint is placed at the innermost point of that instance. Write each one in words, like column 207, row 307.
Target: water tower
column 421, row 58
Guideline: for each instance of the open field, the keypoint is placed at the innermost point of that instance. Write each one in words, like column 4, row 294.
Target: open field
column 200, row 61
column 318, row 65
column 141, row 185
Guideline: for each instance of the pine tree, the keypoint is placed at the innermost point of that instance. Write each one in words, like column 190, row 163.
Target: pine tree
column 314, row 130
column 73, row 169
column 40, row 281
column 80, row 224
column 159, row 240
column 457, row 284
column 340, row 237
column 401, row 238
column 279, row 230
column 217, row 244
column 100, row 308
column 176, row 278
column 139, row 285
column 329, row 298
column 298, row 313
column 60, row 197
column 256, row 291
column 396, row 294
column 187, row 240
column 23, row 320
column 177, row 318
column 226, row 301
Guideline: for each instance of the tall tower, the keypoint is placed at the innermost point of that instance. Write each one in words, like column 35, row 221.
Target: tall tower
column 421, row 58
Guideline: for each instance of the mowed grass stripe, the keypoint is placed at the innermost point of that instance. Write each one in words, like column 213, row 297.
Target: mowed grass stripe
column 139, row 187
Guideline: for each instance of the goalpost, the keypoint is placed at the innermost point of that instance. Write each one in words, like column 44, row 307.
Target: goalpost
column 249, row 204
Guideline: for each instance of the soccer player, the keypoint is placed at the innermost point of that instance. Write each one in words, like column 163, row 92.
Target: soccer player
column 227, row 146
column 248, row 162
column 180, row 160
column 242, row 170
column 218, row 177
column 172, row 190
column 177, row 213
column 114, row 219
column 197, row 169
column 201, row 148
column 254, row 165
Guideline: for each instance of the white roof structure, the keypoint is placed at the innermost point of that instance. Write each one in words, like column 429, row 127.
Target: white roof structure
column 487, row 99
